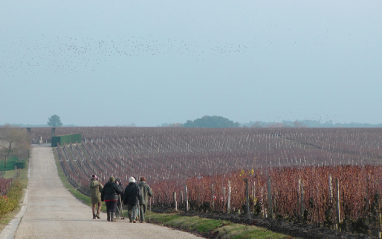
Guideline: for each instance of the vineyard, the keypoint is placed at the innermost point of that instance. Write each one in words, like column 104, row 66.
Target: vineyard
column 317, row 175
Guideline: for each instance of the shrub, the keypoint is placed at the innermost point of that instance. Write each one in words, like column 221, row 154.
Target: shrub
column 20, row 163
column 10, row 201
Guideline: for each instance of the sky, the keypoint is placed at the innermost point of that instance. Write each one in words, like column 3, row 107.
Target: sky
column 97, row 63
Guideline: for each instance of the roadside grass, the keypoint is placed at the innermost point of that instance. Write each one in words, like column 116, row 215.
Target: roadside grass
column 6, row 218
column 9, row 173
column 23, row 180
column 212, row 227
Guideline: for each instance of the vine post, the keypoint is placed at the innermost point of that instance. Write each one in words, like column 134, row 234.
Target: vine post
column 254, row 195
column 380, row 224
column 186, row 196
column 198, row 202
column 301, row 186
column 330, row 189
column 270, row 211
column 247, row 195
column 224, row 196
column 181, row 198
column 212, row 198
column 338, row 209
column 229, row 198
column 175, row 202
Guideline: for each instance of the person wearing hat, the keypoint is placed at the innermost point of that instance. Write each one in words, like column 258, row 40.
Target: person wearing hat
column 109, row 194
column 95, row 195
column 130, row 198
column 145, row 193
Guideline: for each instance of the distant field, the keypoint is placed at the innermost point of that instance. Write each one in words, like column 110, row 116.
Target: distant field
column 180, row 153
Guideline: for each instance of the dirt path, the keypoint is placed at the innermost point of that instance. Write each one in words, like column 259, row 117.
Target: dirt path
column 52, row 212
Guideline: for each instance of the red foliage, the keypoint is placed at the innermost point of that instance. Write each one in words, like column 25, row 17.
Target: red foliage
column 171, row 158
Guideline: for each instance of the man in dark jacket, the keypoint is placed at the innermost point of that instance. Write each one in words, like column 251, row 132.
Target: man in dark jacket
column 109, row 194
column 145, row 193
column 130, row 198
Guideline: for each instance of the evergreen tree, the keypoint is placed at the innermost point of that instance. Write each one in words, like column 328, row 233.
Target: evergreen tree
column 55, row 121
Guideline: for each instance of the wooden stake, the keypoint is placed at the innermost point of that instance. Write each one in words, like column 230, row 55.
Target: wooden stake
column 229, row 198
column 175, row 202
column 330, row 189
column 186, row 196
column 270, row 212
column 301, row 186
column 338, row 203
column 212, row 198
column 247, row 195
column 380, row 222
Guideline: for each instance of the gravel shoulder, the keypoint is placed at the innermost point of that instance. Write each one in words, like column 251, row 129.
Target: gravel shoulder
column 52, row 212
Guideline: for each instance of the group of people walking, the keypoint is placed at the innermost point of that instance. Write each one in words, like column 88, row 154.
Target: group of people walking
column 135, row 196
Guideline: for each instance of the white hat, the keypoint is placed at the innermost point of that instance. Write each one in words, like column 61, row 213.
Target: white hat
column 132, row 180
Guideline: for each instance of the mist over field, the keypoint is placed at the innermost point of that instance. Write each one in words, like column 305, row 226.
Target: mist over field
column 97, row 63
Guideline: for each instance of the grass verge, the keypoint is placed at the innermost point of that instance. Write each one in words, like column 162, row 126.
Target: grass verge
column 17, row 192
column 212, row 227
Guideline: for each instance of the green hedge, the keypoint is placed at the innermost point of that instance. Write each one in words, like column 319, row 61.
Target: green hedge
column 20, row 163
column 69, row 138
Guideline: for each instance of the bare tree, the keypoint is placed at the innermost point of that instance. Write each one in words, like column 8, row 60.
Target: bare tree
column 13, row 142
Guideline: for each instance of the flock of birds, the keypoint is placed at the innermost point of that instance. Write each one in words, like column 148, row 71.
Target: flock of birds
column 70, row 54
column 39, row 54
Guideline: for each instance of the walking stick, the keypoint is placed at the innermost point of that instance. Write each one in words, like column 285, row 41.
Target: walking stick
column 139, row 210
column 120, row 201
column 150, row 210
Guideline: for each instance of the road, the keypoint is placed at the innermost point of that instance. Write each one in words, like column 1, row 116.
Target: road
column 52, row 211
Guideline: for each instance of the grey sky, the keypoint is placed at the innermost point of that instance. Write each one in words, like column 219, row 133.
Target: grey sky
column 150, row 62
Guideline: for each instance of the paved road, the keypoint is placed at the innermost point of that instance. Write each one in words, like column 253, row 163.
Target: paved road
column 52, row 212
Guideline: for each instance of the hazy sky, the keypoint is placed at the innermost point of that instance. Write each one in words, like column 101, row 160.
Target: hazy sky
column 151, row 62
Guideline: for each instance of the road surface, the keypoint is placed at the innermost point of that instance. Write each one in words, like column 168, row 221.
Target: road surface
column 52, row 211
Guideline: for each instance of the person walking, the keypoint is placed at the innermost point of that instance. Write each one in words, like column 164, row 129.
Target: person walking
column 119, row 211
column 144, row 194
column 130, row 198
column 109, row 194
column 95, row 195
